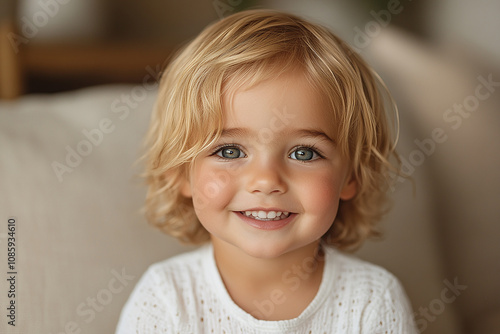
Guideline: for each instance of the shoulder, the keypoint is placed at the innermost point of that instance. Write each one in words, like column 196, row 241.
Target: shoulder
column 165, row 294
column 347, row 268
column 180, row 267
column 373, row 291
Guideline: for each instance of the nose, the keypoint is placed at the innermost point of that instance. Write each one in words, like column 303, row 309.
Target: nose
column 266, row 177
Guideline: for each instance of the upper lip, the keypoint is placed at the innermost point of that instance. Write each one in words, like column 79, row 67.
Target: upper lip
column 267, row 209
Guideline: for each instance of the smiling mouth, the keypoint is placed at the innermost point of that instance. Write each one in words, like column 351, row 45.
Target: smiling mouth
column 266, row 215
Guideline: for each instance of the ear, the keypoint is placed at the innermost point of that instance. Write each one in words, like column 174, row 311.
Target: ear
column 185, row 188
column 349, row 189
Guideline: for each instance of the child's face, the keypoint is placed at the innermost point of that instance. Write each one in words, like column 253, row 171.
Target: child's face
column 274, row 157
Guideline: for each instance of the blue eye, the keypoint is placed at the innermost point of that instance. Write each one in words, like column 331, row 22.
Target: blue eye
column 304, row 154
column 230, row 152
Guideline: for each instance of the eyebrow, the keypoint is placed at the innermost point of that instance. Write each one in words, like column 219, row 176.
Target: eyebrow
column 234, row 132
column 303, row 133
column 312, row 133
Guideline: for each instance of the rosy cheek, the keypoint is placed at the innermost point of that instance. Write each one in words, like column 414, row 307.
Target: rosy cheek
column 210, row 186
column 323, row 194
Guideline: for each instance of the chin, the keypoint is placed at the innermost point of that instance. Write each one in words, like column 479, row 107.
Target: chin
column 264, row 250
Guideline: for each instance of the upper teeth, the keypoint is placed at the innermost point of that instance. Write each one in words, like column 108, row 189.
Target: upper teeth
column 274, row 215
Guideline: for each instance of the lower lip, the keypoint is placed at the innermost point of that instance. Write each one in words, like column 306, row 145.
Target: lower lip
column 267, row 224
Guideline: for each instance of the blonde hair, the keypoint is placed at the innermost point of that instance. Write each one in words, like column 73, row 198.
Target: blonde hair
column 246, row 48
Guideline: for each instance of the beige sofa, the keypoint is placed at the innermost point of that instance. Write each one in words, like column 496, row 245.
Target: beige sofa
column 67, row 178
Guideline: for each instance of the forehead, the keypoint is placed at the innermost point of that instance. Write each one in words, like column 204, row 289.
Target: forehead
column 288, row 100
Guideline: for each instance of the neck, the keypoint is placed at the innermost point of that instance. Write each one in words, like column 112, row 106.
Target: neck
column 297, row 274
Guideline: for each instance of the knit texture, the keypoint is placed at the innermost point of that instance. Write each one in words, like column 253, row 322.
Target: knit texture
column 185, row 294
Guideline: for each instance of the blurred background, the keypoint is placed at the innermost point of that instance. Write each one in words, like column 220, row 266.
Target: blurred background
column 66, row 66
column 63, row 44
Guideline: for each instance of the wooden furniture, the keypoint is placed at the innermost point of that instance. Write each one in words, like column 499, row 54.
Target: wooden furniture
column 10, row 69
column 57, row 67
column 35, row 67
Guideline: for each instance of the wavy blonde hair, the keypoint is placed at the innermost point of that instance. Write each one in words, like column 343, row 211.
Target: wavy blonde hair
column 247, row 48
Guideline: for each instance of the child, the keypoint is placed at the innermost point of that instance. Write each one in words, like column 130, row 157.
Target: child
column 269, row 140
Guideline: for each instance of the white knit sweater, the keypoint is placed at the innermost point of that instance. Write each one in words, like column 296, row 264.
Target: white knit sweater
column 185, row 294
